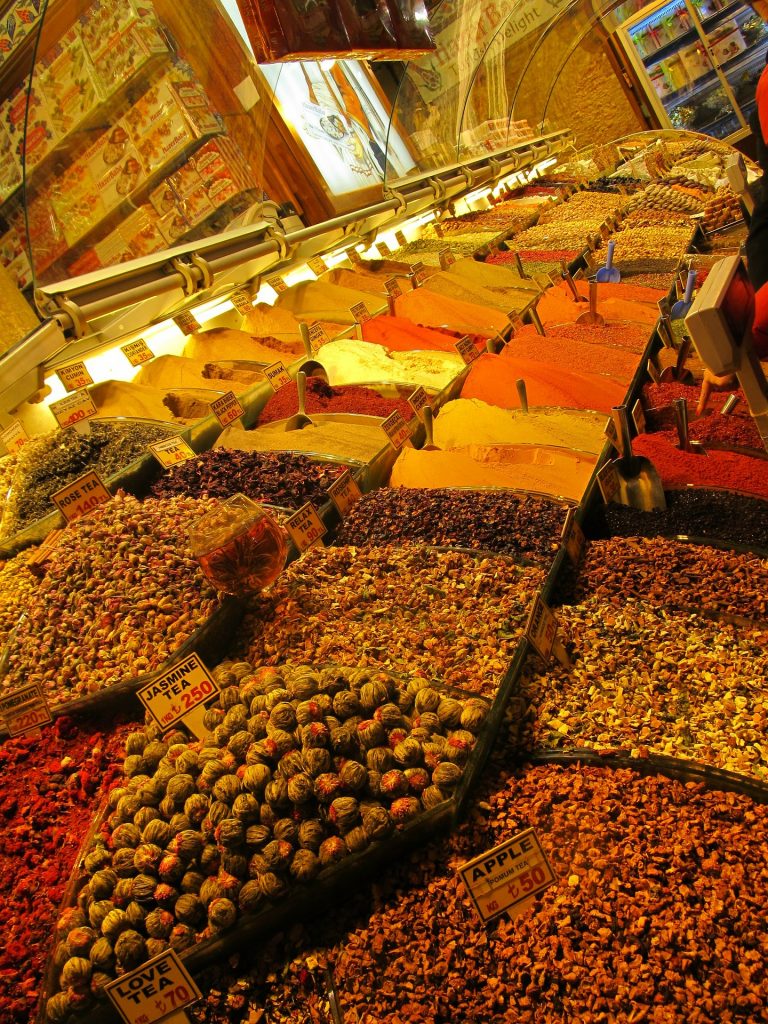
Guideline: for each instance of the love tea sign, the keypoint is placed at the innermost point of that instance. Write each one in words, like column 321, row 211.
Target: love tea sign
column 154, row 991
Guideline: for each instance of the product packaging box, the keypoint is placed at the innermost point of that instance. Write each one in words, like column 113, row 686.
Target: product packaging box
column 68, row 84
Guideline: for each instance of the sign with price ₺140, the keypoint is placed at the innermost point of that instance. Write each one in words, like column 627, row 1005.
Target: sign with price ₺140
column 81, row 496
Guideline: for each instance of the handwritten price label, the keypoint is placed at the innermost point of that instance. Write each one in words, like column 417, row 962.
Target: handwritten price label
column 419, row 400
column 317, row 336
column 393, row 287
column 277, row 284
column 360, row 312
column 137, row 352
column 541, row 629
column 573, row 537
column 608, row 482
column 81, row 496
column 396, row 429
column 187, row 323
column 345, row 493
column 70, row 410
column 24, row 710
column 242, row 301
column 178, row 690
column 317, row 265
column 354, row 257
column 467, row 350
column 383, row 248
column 160, row 987
column 638, row 415
column 506, row 878
column 171, row 451
column 74, row 376
column 277, row 375
column 227, row 409
column 418, row 273
column 401, row 239
column 14, row 437
column 306, row 527
column 447, row 259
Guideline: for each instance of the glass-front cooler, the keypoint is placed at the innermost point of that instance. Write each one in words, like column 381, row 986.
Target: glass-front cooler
column 699, row 61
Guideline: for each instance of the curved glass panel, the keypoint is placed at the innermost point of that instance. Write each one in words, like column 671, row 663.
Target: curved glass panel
column 146, row 129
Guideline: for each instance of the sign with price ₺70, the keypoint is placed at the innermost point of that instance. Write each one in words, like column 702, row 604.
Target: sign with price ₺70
column 504, row 879
column 180, row 689
column 157, row 989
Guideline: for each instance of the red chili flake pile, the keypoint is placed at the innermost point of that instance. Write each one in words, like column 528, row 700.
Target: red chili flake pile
column 476, row 339
column 735, row 431
column 658, row 396
column 50, row 788
column 633, row 337
column 321, row 397
column 715, row 469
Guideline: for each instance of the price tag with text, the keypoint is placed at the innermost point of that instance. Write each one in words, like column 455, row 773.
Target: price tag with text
column 401, row 239
column 171, row 451
column 177, row 691
column 419, row 273
column 242, row 301
column 227, row 409
column 573, row 537
column 555, row 277
column 393, row 287
column 419, row 400
column 447, row 259
column 317, row 265
column 383, row 248
column 81, row 496
column 24, row 710
column 360, row 312
column 354, row 257
column 306, row 527
column 72, row 409
column 74, row 376
column 515, row 319
column 506, row 878
column 638, row 415
column 653, row 373
column 137, row 352
column 542, row 628
column 277, row 375
column 159, row 988
column 608, row 481
column 14, row 437
column 438, row 229
column 612, row 433
column 277, row 284
column 345, row 493
column 317, row 336
column 396, row 429
column 187, row 323
column 467, row 349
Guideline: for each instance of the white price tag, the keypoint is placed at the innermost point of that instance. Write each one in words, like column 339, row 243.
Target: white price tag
column 608, row 482
column 360, row 312
column 383, row 248
column 177, row 691
column 74, row 376
column 612, row 433
column 401, row 239
column 542, row 629
column 81, row 496
column 187, row 323
column 653, row 373
column 638, row 415
column 317, row 336
column 24, row 710
column 306, row 527
column 227, row 409
column 573, row 537
column 345, row 493
column 396, row 429
column 419, row 274
column 507, row 877
column 317, row 265
column 137, row 352
column 156, row 990
column 419, row 400
column 277, row 284
column 393, row 287
column 242, row 301
column 171, row 451
column 354, row 257
column 72, row 409
column 277, row 375
column 467, row 350
column 14, row 437
column 447, row 259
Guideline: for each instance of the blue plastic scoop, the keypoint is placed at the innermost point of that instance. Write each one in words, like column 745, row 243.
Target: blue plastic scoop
column 682, row 306
column 608, row 273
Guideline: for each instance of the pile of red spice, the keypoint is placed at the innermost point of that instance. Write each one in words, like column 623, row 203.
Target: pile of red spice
column 715, row 469
column 536, row 254
column 321, row 397
column 50, row 788
column 734, row 431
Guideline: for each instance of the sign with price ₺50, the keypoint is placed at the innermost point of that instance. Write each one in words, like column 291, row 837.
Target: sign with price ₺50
column 505, row 878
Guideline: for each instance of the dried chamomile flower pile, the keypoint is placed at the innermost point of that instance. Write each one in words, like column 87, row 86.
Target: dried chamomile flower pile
column 303, row 767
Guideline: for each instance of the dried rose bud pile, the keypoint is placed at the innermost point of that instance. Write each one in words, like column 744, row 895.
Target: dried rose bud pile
column 122, row 593
column 645, row 679
column 687, row 577
column 17, row 584
column 303, row 767
column 277, row 478
column 450, row 616
column 50, row 788
column 499, row 521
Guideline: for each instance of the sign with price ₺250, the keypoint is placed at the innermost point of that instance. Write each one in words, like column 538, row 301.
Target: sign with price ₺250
column 177, row 691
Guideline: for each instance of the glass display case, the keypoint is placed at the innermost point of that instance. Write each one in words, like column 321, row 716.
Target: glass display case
column 699, row 61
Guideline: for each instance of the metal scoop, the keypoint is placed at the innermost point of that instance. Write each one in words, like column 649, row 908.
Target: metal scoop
column 639, row 483
column 427, row 416
column 591, row 316
column 300, row 419
column 681, row 421
column 678, row 372
column 522, row 394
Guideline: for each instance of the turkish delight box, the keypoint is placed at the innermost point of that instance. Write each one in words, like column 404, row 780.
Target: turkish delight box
column 68, row 83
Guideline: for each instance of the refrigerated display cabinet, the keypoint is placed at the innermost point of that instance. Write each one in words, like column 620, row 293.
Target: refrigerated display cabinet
column 699, row 62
